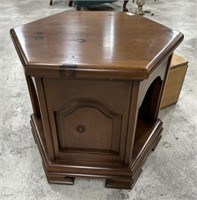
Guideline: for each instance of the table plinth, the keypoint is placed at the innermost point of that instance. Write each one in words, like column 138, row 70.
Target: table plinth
column 97, row 94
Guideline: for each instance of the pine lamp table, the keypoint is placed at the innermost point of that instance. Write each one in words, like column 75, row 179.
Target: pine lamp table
column 95, row 80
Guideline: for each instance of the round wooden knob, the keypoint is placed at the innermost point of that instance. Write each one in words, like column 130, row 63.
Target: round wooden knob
column 80, row 129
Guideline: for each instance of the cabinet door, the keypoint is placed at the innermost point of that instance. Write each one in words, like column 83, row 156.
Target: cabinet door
column 88, row 119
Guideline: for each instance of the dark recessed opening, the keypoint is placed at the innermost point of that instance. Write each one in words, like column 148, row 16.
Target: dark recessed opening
column 147, row 115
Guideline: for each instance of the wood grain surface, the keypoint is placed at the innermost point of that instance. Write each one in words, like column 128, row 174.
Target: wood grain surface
column 110, row 44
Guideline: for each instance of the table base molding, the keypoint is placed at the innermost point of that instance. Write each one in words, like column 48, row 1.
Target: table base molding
column 62, row 173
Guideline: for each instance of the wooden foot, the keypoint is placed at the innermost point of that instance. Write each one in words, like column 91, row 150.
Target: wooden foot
column 61, row 179
column 51, row 2
column 121, row 184
column 58, row 178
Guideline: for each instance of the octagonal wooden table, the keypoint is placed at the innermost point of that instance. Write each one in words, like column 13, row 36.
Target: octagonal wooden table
column 95, row 80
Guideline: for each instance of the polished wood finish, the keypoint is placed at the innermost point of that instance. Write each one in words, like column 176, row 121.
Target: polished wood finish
column 175, row 79
column 96, row 80
column 112, row 43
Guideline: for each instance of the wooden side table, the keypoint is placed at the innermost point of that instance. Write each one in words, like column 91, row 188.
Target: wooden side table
column 95, row 81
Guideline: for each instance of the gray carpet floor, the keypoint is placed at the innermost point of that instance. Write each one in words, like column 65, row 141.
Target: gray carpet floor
column 170, row 172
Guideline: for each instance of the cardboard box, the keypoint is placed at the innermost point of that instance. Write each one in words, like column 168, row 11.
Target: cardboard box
column 174, row 81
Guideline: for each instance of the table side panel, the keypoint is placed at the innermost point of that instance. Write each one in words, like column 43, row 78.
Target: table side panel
column 88, row 118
